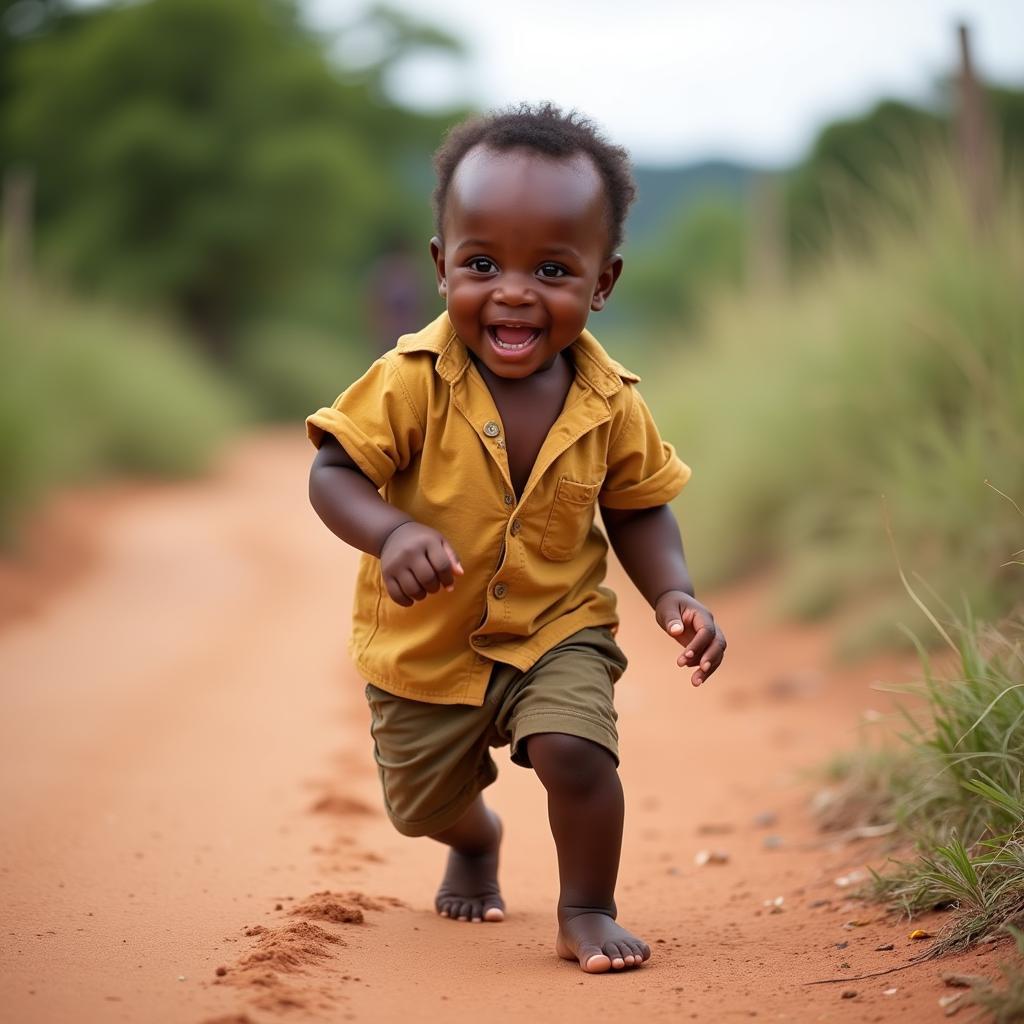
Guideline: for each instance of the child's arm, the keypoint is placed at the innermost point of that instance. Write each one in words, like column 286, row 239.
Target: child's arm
column 415, row 560
column 648, row 545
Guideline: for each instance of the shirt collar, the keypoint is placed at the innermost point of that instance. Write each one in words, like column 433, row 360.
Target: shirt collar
column 593, row 364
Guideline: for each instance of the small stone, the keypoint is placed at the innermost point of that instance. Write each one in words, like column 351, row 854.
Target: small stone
column 888, row 947
column 771, row 842
column 181, row 977
column 705, row 857
column 278, row 906
column 766, row 819
column 845, row 881
column 814, row 904
column 848, row 993
column 965, row 980
column 221, row 971
column 890, row 992
column 841, row 945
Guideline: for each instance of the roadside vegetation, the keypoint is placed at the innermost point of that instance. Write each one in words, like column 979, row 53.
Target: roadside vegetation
column 889, row 385
column 951, row 782
column 86, row 392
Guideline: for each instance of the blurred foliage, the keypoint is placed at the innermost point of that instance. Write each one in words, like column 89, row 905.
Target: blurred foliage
column 900, row 374
column 208, row 157
column 699, row 251
column 85, row 392
column 851, row 165
column 286, row 369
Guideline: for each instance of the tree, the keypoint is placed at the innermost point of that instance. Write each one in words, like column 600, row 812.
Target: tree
column 205, row 155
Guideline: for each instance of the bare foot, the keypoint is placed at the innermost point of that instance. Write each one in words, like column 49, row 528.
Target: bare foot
column 469, row 890
column 599, row 944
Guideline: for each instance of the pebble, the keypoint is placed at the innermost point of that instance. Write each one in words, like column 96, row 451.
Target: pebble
column 711, row 857
column 848, row 993
column 221, row 971
column 884, row 949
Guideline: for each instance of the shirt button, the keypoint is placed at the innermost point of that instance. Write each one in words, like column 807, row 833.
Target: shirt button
column 516, row 526
column 500, row 590
column 491, row 429
column 509, row 500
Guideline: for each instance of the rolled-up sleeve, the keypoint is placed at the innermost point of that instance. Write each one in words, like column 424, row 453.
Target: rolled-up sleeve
column 643, row 470
column 375, row 420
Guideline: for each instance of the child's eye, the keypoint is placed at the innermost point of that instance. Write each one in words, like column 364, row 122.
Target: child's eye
column 551, row 270
column 482, row 265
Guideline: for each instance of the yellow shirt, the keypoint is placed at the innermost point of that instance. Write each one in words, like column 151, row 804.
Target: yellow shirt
column 422, row 425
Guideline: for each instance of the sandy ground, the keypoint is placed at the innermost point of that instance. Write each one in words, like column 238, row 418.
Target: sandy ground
column 191, row 827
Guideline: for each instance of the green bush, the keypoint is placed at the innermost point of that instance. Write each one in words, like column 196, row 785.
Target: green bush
column 86, row 392
column 291, row 371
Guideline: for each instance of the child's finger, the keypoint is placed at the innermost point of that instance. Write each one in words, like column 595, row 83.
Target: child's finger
column 456, row 564
column 712, row 657
column 442, row 565
column 674, row 626
column 410, row 585
column 696, row 647
column 396, row 593
column 425, row 573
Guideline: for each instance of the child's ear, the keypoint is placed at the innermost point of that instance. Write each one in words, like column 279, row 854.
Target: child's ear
column 606, row 281
column 437, row 255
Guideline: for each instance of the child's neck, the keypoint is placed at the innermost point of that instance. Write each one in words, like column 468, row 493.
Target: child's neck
column 529, row 407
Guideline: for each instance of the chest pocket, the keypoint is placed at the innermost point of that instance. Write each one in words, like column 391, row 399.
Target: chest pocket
column 569, row 521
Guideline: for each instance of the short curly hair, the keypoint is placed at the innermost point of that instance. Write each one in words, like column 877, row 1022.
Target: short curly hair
column 545, row 129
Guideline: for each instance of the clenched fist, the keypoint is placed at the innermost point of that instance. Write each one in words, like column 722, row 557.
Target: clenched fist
column 416, row 561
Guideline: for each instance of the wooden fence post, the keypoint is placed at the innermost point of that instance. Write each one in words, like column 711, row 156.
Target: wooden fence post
column 16, row 227
column 975, row 152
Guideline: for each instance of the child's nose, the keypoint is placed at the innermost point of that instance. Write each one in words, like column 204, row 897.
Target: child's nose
column 515, row 290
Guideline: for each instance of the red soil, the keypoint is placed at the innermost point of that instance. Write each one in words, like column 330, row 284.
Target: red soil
column 192, row 829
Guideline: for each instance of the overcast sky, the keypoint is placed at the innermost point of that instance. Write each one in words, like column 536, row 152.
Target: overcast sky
column 674, row 82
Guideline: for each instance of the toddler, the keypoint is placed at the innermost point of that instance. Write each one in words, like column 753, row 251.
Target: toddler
column 467, row 464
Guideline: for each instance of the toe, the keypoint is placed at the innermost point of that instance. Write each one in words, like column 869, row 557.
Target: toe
column 615, row 955
column 494, row 914
column 593, row 960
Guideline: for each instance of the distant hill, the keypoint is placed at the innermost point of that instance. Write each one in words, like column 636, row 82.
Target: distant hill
column 662, row 190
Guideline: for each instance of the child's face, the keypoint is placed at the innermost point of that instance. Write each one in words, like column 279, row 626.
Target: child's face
column 524, row 257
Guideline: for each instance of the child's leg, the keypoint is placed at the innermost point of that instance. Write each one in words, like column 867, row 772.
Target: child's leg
column 585, row 809
column 469, row 890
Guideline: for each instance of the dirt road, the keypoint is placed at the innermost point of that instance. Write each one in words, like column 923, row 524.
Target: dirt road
column 187, row 786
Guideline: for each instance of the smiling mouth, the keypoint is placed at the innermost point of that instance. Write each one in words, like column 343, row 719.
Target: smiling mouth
column 511, row 339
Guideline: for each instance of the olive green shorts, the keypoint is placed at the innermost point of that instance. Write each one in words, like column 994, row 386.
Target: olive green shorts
column 434, row 758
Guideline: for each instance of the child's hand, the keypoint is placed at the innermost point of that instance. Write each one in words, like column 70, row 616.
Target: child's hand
column 415, row 561
column 685, row 619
